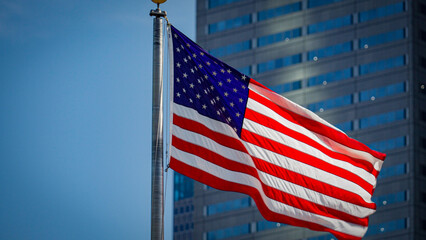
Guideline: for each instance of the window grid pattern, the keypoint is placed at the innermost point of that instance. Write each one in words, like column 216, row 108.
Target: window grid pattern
column 381, row 65
column 279, row 37
column 331, row 103
column 266, row 225
column 229, row 24
column 183, row 187
column 389, row 144
column 381, row 38
column 245, row 70
column 279, row 63
column 231, row 49
column 387, row 227
column 229, row 232
column 381, row 12
column 218, row 3
column 381, row 92
column 392, row 171
column 228, row 206
column 318, row 3
column 287, row 87
column 279, row 11
column 330, row 77
column 330, row 24
column 329, row 51
column 380, row 119
column 391, row 198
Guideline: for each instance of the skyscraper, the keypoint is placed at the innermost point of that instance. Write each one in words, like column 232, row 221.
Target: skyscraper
column 361, row 65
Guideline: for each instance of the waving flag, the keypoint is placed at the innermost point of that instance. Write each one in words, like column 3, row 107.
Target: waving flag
column 232, row 133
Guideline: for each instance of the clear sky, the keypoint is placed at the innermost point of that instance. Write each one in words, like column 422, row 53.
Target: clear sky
column 75, row 121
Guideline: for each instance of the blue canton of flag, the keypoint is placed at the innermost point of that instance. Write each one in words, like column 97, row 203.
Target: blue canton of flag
column 206, row 84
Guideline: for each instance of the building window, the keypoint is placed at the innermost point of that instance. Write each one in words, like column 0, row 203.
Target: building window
column 393, row 171
column 330, row 77
column 218, row 3
column 323, row 237
column 228, row 206
column 228, row 232
column 383, row 38
column 381, row 12
column 245, row 70
column 387, row 227
column 287, row 87
column 331, row 103
column 381, row 119
column 318, row 3
column 391, row 198
column 330, row 24
column 276, row 12
column 389, row 144
column 381, row 65
column 279, row 37
column 183, row 187
column 329, row 51
column 376, row 93
column 266, row 225
column 229, row 24
column 231, row 49
column 279, row 63
column 345, row 126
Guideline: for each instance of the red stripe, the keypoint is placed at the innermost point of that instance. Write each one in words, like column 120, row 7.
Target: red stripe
column 300, row 156
column 311, row 183
column 272, row 193
column 199, row 128
column 213, row 181
column 321, row 128
column 275, row 125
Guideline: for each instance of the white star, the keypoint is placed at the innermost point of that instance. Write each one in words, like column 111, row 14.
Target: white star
column 218, row 113
column 181, row 46
column 220, row 83
column 229, row 70
column 232, row 104
column 235, row 129
column 212, row 102
column 189, row 57
column 241, row 100
column 208, row 63
column 198, row 96
column 184, row 90
column 205, row 76
column 177, row 80
column 237, row 114
column 184, row 59
column 214, row 73
column 235, row 90
column 199, row 65
column 192, row 70
column 178, row 94
column 217, row 98
column 222, row 71
column 188, row 45
column 199, row 81
column 201, row 53
column 185, row 75
column 190, row 100
column 175, row 35
column 211, row 87
column 191, row 85
column 178, row 65
column 177, row 49
column 226, row 94
column 244, row 77
column 204, row 106
column 228, row 80
column 229, row 119
column 223, row 108
column 243, row 86
column 194, row 55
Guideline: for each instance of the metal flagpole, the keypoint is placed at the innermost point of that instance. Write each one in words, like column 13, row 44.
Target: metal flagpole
column 157, row 194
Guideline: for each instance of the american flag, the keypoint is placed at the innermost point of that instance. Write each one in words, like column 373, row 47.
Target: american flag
column 232, row 133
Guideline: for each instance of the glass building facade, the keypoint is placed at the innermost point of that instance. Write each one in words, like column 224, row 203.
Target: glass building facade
column 359, row 64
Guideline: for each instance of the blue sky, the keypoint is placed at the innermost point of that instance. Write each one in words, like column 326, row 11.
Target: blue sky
column 75, row 122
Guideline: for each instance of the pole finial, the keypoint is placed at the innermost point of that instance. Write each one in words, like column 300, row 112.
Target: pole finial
column 158, row 1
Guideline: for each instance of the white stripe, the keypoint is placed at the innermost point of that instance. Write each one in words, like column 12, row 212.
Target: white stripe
column 287, row 104
column 306, row 148
column 315, row 173
column 279, row 184
column 206, row 121
column 274, row 206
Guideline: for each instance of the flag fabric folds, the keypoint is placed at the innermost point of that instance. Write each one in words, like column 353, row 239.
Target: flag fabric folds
column 232, row 133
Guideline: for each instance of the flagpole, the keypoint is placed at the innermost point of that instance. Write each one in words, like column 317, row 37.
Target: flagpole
column 157, row 193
